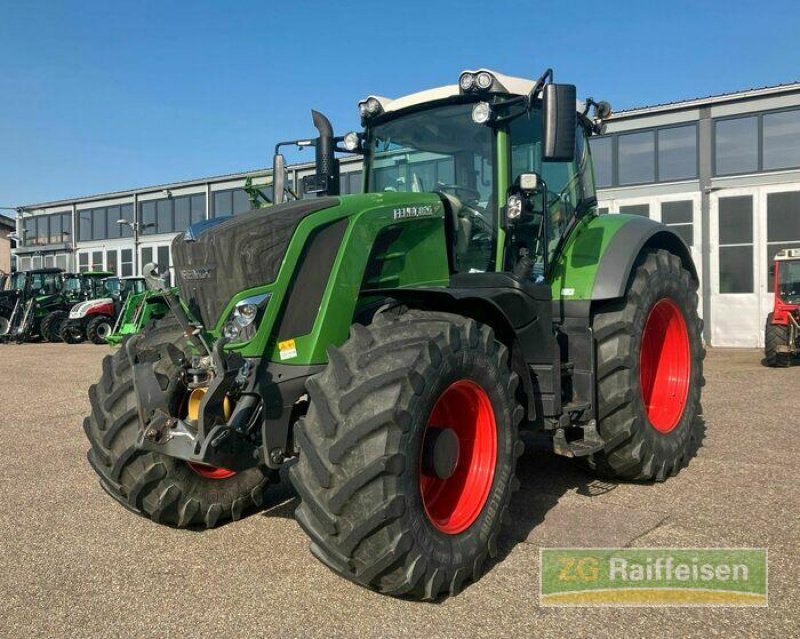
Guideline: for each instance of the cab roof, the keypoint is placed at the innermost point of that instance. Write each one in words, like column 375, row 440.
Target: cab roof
column 504, row 84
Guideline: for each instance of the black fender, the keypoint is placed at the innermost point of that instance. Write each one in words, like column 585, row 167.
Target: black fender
column 624, row 249
column 519, row 313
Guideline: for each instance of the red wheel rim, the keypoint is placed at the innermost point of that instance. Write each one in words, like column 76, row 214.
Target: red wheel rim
column 665, row 365
column 453, row 504
column 211, row 472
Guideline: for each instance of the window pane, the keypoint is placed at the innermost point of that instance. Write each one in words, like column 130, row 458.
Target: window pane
column 99, row 224
column 223, row 204
column 55, row 229
column 603, row 210
column 147, row 255
column 736, row 220
column 97, row 260
column 66, row 227
column 737, row 145
column 147, row 218
column 126, row 258
column 163, row 262
column 126, row 213
column 198, row 208
column 83, row 261
column 43, row 230
column 677, row 153
column 636, row 157
column 241, row 203
column 29, row 230
column 183, row 213
column 112, row 215
column 85, row 225
column 61, row 261
column 111, row 261
column 685, row 231
column 783, row 217
column 356, row 180
column 636, row 209
column 782, row 139
column 602, row 158
column 676, row 212
column 164, row 223
column 736, row 269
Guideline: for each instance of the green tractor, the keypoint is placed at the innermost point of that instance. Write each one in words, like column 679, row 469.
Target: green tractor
column 140, row 309
column 31, row 298
column 389, row 347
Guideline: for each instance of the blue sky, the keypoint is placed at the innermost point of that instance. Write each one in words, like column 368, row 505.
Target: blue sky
column 101, row 96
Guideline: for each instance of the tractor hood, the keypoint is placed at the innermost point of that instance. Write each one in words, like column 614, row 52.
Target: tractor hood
column 215, row 261
column 80, row 310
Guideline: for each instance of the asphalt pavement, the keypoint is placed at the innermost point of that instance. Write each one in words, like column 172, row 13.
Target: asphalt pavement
column 73, row 563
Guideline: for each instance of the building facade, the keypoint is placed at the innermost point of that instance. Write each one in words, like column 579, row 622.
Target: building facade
column 7, row 226
column 722, row 171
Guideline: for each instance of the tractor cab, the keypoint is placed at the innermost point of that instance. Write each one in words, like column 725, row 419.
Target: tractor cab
column 93, row 284
column 512, row 180
column 783, row 323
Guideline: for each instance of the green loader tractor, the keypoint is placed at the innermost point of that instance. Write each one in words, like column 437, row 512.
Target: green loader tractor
column 389, row 347
column 33, row 299
column 139, row 310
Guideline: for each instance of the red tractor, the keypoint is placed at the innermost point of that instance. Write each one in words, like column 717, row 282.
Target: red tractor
column 781, row 332
column 94, row 320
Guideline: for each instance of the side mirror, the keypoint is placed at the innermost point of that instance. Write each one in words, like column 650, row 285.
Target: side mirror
column 560, row 119
column 278, row 178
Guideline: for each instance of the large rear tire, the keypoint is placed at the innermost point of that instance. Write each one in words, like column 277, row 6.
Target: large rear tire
column 408, row 452
column 167, row 490
column 51, row 326
column 775, row 336
column 650, row 372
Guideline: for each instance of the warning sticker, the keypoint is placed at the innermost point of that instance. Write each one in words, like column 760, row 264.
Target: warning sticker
column 287, row 349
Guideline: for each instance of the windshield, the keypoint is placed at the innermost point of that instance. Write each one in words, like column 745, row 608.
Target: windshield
column 17, row 282
column 442, row 150
column 46, row 283
column 72, row 285
column 112, row 286
column 789, row 282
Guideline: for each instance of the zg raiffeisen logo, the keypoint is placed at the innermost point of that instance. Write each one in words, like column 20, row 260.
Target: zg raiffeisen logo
column 653, row 577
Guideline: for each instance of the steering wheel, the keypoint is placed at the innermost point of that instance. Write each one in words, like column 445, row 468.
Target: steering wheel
column 469, row 193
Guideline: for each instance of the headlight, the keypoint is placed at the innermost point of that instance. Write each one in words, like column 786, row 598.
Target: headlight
column 373, row 106
column 481, row 113
column 351, row 141
column 242, row 323
column 466, row 81
column 513, row 207
column 484, row 80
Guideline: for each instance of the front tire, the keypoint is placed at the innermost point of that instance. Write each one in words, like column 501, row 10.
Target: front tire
column 71, row 332
column 386, row 505
column 99, row 328
column 649, row 371
column 167, row 490
column 775, row 336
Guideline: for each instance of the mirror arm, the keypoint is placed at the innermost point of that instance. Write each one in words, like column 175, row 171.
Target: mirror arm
column 537, row 87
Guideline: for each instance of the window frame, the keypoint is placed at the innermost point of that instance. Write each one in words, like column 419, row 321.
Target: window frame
column 654, row 130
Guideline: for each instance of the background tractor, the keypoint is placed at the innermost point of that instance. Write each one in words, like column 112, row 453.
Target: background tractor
column 139, row 310
column 77, row 288
column 781, row 330
column 389, row 346
column 94, row 319
column 30, row 297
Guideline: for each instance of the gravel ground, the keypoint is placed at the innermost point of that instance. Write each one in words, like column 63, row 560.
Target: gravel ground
column 74, row 563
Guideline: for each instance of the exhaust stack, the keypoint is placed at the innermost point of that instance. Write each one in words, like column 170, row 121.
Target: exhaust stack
column 327, row 164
